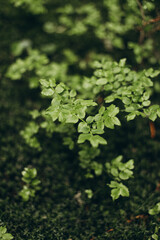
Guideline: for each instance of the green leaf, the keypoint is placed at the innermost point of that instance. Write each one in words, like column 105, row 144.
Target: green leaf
column 100, row 125
column 126, row 100
column 54, row 115
column 7, row 236
column 81, row 112
column 86, row 102
column 89, row 193
column 114, row 172
column 96, row 140
column 73, row 93
column 158, row 112
column 101, row 81
column 146, row 96
column 153, row 116
column 115, row 193
column 122, row 62
column 59, row 88
column 83, row 137
column 155, row 210
column 71, row 118
column 35, row 182
column 3, row 230
column 116, row 161
column 131, row 116
column 116, row 121
column 44, row 83
column 147, row 82
column 90, row 119
column 101, row 110
column 83, row 127
column 146, row 103
column 155, row 236
column 25, row 193
column 124, row 175
column 52, row 82
column 47, row 92
column 117, row 69
column 112, row 110
column 97, row 167
column 110, row 98
column 130, row 164
column 109, row 123
column 124, row 190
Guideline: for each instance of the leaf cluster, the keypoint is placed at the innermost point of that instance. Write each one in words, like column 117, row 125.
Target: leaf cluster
column 119, row 171
column 4, row 235
column 31, row 183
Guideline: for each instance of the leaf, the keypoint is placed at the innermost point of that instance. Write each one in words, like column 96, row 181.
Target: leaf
column 25, row 193
column 35, row 182
column 126, row 100
column 124, row 175
column 117, row 69
column 89, row 193
column 124, row 190
column 146, row 103
column 86, row 102
column 147, row 82
column 101, row 110
column 52, row 82
column 130, row 164
column 54, row 115
column 81, row 112
column 7, row 236
column 83, row 127
column 116, row 161
column 146, row 96
column 100, row 125
column 44, row 83
column 97, row 167
column 83, row 137
column 59, row 88
column 96, row 140
column 113, row 184
column 73, row 93
column 101, row 81
column 70, row 118
column 109, row 123
column 153, row 116
column 47, row 92
column 90, row 119
column 155, row 210
column 115, row 193
column 116, row 121
column 131, row 116
column 122, row 62
column 3, row 230
column 112, row 110
column 155, row 236
column 110, row 98
column 114, row 172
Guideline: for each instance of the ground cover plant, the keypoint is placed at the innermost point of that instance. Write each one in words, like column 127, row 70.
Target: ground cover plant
column 79, row 119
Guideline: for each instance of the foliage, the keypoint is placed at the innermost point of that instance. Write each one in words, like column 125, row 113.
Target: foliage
column 155, row 235
column 4, row 235
column 36, row 7
column 75, row 52
column 89, row 193
column 119, row 171
column 31, row 183
column 155, row 210
column 115, row 81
